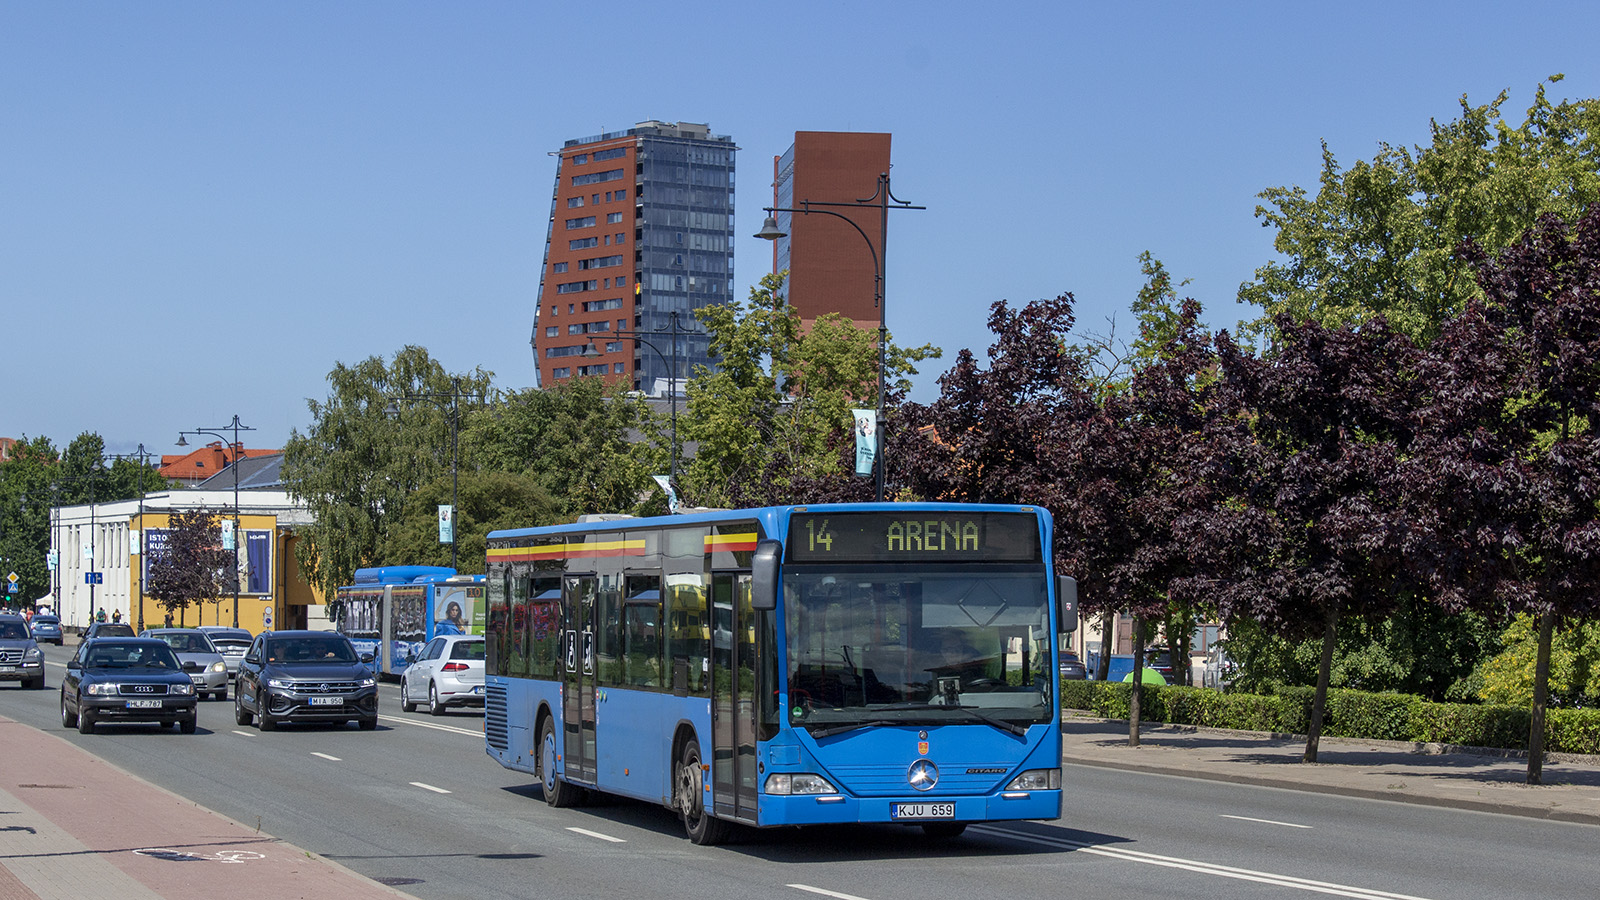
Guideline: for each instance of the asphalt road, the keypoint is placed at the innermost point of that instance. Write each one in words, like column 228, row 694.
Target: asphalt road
column 418, row 803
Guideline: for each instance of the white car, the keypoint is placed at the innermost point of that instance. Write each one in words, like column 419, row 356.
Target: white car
column 448, row 672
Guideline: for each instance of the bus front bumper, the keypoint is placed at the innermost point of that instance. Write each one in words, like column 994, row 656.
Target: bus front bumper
column 825, row 809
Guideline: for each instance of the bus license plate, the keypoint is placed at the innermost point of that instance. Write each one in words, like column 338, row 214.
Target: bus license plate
column 327, row 701
column 144, row 704
column 924, row 811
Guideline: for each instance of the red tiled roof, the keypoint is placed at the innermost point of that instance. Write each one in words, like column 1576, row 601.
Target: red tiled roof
column 203, row 462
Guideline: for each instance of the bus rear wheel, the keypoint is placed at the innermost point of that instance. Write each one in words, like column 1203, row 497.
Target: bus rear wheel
column 702, row 827
column 557, row 793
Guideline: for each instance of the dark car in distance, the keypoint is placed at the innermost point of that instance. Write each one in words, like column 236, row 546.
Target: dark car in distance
column 305, row 676
column 1073, row 668
column 20, row 659
column 46, row 629
column 126, row 680
column 108, row 629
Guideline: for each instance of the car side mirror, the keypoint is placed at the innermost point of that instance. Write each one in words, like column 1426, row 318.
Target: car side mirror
column 252, row 659
column 367, row 657
column 72, row 664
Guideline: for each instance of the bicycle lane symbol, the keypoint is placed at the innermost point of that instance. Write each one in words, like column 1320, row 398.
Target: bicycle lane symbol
column 222, row 856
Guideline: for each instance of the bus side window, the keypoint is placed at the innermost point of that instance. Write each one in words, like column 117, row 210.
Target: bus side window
column 642, row 631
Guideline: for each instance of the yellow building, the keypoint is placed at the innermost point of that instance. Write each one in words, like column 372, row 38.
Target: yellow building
column 102, row 552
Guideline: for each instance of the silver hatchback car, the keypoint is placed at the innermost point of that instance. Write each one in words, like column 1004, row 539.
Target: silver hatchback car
column 199, row 657
column 448, row 672
column 232, row 643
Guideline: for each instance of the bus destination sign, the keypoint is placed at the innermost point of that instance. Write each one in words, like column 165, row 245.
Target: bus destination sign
column 913, row 536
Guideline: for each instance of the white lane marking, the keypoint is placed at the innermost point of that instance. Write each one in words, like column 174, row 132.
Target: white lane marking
column 245, row 733
column 467, row 731
column 325, row 756
column 1203, row 868
column 595, row 834
column 825, row 893
column 1263, row 821
column 429, row 787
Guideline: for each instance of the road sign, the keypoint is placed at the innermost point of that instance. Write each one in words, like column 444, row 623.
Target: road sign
column 12, row 578
column 94, row 578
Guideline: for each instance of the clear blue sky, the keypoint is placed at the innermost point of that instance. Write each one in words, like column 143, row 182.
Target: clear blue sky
column 205, row 206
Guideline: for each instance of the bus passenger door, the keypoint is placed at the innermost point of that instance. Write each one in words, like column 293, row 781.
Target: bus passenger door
column 733, row 696
column 578, row 677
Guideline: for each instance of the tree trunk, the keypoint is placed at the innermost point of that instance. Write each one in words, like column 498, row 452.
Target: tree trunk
column 1541, row 697
column 1320, row 701
column 1138, row 682
column 1178, row 631
column 1108, row 643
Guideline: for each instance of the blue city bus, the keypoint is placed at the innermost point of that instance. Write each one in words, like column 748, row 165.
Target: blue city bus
column 393, row 611
column 793, row 665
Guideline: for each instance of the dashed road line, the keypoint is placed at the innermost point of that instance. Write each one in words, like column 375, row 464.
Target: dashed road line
column 824, row 892
column 478, row 733
column 326, row 756
column 429, row 787
column 595, row 834
column 1196, row 866
column 1263, row 821
column 248, row 734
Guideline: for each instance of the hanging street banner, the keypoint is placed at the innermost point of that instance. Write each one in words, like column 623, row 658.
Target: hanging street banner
column 866, row 440
column 447, row 524
column 672, row 495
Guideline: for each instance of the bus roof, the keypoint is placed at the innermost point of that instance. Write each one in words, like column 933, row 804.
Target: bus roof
column 765, row 512
column 402, row 574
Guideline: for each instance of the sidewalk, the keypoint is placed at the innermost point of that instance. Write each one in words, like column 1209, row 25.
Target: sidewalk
column 1486, row 780
column 75, row 827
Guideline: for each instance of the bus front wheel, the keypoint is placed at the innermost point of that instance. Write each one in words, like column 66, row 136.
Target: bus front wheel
column 703, row 828
column 557, row 793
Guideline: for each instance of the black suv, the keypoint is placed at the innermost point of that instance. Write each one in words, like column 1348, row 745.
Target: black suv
column 20, row 658
column 305, row 676
column 126, row 680
column 108, row 629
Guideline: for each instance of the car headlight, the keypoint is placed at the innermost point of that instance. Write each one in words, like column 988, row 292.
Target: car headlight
column 102, row 689
column 798, row 783
column 283, row 684
column 368, row 682
column 32, row 653
column 1036, row 780
column 180, row 688
column 219, row 666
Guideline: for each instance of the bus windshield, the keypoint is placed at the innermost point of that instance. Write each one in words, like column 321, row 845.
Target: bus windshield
column 903, row 645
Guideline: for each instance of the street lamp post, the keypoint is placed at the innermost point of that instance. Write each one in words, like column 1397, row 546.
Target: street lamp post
column 677, row 333
column 453, row 412
column 238, row 453
column 880, row 200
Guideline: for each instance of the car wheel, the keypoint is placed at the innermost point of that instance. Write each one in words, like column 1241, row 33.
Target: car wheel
column 222, row 694
column 557, row 792
column 435, row 708
column 37, row 684
column 406, row 703
column 264, row 720
column 369, row 724
column 69, row 719
column 85, row 722
column 187, row 726
column 241, row 715
column 702, row 827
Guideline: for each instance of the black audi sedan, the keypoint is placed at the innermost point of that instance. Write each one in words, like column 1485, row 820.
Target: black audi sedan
column 305, row 676
column 126, row 680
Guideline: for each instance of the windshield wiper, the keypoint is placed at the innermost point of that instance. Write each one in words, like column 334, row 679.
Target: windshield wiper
column 852, row 726
column 1002, row 724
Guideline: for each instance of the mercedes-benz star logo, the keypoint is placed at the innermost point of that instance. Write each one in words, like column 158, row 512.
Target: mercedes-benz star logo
column 923, row 775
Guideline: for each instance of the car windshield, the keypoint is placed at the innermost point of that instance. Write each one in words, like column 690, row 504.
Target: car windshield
column 187, row 643
column 130, row 656
column 913, row 645
column 467, row 650
column 13, row 631
column 310, row 650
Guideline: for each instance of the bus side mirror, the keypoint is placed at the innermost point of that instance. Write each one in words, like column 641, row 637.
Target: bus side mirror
column 764, row 575
column 1066, row 604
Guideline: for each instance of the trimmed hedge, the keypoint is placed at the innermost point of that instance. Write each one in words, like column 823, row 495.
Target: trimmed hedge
column 1358, row 714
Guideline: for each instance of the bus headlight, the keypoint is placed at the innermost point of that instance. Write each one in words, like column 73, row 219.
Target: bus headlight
column 1036, row 780
column 800, row 783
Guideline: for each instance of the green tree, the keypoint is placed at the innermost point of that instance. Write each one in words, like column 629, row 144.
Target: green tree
column 487, row 500
column 573, row 441
column 1379, row 238
column 1508, row 676
column 357, row 467
column 773, row 420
